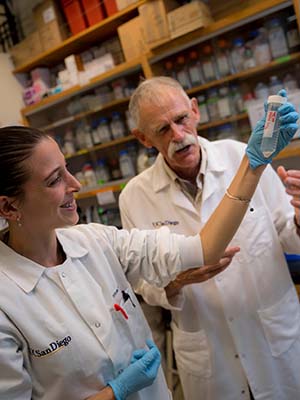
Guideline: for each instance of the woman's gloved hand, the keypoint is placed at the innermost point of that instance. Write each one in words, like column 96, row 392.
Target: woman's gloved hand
column 140, row 373
column 288, row 127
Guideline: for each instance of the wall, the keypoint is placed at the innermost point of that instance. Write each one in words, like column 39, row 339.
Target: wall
column 11, row 93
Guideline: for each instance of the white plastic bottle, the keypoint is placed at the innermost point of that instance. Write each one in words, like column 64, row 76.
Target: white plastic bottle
column 272, row 125
column 126, row 164
column 277, row 39
column 117, row 126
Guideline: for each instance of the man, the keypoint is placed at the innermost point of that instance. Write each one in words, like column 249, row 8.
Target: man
column 241, row 329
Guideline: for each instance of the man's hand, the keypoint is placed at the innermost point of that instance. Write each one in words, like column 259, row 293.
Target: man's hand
column 202, row 274
column 291, row 181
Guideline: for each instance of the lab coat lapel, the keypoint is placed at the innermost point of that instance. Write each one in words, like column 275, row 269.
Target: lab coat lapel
column 215, row 170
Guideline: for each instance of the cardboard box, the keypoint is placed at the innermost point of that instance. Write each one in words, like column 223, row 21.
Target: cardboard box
column 27, row 49
column 189, row 17
column 121, row 4
column 132, row 38
column 50, row 24
column 45, row 12
column 51, row 35
column 154, row 20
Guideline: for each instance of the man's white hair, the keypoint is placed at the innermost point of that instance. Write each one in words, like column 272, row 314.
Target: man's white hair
column 148, row 91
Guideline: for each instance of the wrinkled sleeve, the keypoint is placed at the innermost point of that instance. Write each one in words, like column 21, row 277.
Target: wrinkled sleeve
column 155, row 296
column 15, row 382
column 156, row 256
column 278, row 203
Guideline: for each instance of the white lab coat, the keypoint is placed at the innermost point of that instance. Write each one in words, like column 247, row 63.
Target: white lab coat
column 60, row 336
column 244, row 324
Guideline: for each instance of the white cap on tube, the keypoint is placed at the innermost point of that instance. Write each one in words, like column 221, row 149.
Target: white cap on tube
column 277, row 99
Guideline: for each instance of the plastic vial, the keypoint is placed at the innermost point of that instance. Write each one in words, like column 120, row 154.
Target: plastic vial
column 117, row 125
column 209, row 67
column 277, row 39
column 102, row 173
column 260, row 46
column 237, row 54
column 204, row 116
column 212, row 104
column 182, row 73
column 126, row 164
column 194, row 68
column 272, row 125
column 169, row 69
column 223, row 60
column 104, row 130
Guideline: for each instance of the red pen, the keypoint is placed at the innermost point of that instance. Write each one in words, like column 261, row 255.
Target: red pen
column 117, row 307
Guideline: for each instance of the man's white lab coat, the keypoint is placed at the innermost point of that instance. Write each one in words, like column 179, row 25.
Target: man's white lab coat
column 244, row 324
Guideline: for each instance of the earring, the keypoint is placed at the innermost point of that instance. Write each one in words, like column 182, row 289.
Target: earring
column 19, row 223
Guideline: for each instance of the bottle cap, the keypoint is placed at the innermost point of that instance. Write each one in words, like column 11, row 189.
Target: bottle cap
column 277, row 99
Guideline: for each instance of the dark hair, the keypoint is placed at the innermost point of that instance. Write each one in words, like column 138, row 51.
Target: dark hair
column 16, row 145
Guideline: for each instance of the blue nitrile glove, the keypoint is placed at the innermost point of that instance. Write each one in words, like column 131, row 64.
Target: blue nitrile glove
column 140, row 373
column 288, row 127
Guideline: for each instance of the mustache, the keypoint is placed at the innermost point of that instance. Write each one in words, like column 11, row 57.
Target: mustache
column 175, row 146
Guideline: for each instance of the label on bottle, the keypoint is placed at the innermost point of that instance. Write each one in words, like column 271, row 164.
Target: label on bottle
column 270, row 123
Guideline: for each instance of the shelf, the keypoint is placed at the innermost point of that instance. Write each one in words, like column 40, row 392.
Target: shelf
column 112, row 143
column 119, row 70
column 223, row 121
column 113, row 186
column 279, row 62
column 292, row 150
column 76, row 117
column 77, row 43
column 242, row 16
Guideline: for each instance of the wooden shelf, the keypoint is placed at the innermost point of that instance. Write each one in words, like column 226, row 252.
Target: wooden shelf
column 113, row 186
column 77, row 117
column 223, row 121
column 292, row 150
column 81, row 41
column 242, row 16
column 248, row 73
column 119, row 70
column 112, row 143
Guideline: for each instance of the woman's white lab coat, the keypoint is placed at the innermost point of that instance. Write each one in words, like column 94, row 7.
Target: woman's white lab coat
column 61, row 337
column 243, row 326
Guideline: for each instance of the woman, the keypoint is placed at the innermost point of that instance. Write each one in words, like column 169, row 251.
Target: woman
column 69, row 321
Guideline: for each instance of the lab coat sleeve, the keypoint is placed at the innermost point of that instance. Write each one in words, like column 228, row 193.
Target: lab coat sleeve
column 278, row 203
column 15, row 382
column 156, row 256
column 155, row 296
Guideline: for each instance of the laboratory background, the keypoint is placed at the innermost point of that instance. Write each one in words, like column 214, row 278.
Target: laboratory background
column 69, row 68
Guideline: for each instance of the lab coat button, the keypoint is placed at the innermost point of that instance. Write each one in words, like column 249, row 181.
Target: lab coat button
column 63, row 275
column 236, row 356
column 243, row 391
column 97, row 324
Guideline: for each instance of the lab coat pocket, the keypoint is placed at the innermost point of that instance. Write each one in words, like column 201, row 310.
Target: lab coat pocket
column 256, row 236
column 192, row 352
column 134, row 327
column 281, row 323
